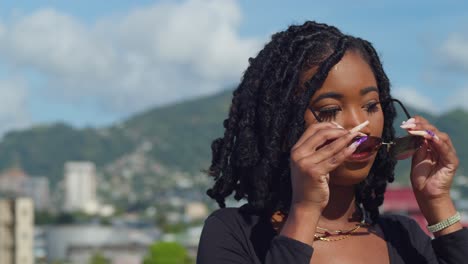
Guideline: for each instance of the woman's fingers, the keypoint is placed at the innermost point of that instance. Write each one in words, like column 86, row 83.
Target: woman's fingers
column 332, row 149
column 325, row 161
column 311, row 130
column 316, row 132
column 446, row 151
column 439, row 141
column 310, row 145
column 419, row 126
column 444, row 137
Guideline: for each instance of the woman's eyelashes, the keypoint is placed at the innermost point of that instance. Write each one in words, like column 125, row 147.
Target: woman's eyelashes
column 329, row 113
column 372, row 107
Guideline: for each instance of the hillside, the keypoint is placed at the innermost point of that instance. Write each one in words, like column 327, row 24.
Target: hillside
column 42, row 150
column 181, row 133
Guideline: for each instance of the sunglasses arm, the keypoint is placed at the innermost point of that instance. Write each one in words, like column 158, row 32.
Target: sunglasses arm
column 388, row 145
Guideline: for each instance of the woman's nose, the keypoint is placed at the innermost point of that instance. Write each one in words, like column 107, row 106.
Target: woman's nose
column 354, row 119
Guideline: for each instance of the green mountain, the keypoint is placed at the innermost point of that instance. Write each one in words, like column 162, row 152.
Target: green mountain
column 179, row 134
column 42, row 150
column 182, row 133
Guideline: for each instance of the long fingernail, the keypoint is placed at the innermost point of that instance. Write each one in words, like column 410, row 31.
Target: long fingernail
column 406, row 125
column 409, row 121
column 358, row 142
column 359, row 127
column 336, row 124
column 339, row 126
column 418, row 132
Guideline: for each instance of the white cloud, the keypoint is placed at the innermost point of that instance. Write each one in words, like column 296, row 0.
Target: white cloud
column 148, row 56
column 459, row 99
column 13, row 107
column 412, row 97
column 454, row 52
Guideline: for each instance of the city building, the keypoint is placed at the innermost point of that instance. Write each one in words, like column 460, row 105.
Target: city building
column 16, row 231
column 12, row 181
column 78, row 243
column 80, row 187
column 37, row 188
column 17, row 183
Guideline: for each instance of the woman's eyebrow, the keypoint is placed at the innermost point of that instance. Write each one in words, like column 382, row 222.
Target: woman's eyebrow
column 335, row 95
column 369, row 89
column 328, row 95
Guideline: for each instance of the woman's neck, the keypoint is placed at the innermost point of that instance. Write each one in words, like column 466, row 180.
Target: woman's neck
column 341, row 209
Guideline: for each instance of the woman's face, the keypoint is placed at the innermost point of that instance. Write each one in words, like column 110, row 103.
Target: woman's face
column 349, row 96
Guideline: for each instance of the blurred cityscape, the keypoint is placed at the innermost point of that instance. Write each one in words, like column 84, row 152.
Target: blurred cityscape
column 71, row 224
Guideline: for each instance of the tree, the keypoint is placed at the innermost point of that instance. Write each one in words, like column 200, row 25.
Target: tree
column 98, row 258
column 167, row 253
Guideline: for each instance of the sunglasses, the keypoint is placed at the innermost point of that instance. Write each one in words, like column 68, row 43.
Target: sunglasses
column 400, row 148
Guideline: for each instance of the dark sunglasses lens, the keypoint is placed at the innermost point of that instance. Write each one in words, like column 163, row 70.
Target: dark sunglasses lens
column 405, row 147
column 371, row 144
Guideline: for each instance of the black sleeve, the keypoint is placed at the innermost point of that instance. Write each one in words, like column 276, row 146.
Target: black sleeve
column 452, row 248
column 219, row 244
column 287, row 250
column 410, row 244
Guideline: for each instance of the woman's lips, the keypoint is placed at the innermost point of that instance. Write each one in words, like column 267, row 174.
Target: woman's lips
column 360, row 157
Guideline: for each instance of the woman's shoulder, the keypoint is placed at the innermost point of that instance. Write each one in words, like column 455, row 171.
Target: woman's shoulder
column 240, row 230
column 241, row 224
column 401, row 226
column 226, row 213
column 234, row 217
column 397, row 219
column 406, row 239
column 242, row 220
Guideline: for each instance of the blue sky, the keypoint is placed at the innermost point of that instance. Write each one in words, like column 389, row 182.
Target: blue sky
column 96, row 63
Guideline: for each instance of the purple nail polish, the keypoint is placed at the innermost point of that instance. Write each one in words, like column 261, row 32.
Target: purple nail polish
column 361, row 140
column 432, row 134
column 358, row 142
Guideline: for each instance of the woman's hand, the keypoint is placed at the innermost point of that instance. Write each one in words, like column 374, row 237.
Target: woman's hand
column 321, row 149
column 432, row 170
column 434, row 164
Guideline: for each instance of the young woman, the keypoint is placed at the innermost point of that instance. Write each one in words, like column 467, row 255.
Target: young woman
column 309, row 143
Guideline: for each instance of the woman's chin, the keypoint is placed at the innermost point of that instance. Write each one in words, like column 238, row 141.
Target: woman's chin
column 350, row 173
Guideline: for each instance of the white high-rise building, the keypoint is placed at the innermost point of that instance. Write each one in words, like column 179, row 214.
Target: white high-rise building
column 80, row 186
column 16, row 231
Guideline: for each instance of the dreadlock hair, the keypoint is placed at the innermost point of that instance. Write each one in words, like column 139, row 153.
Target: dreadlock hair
column 266, row 118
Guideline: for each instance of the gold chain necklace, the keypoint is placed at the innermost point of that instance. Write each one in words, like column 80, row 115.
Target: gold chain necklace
column 278, row 217
column 334, row 232
column 343, row 234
